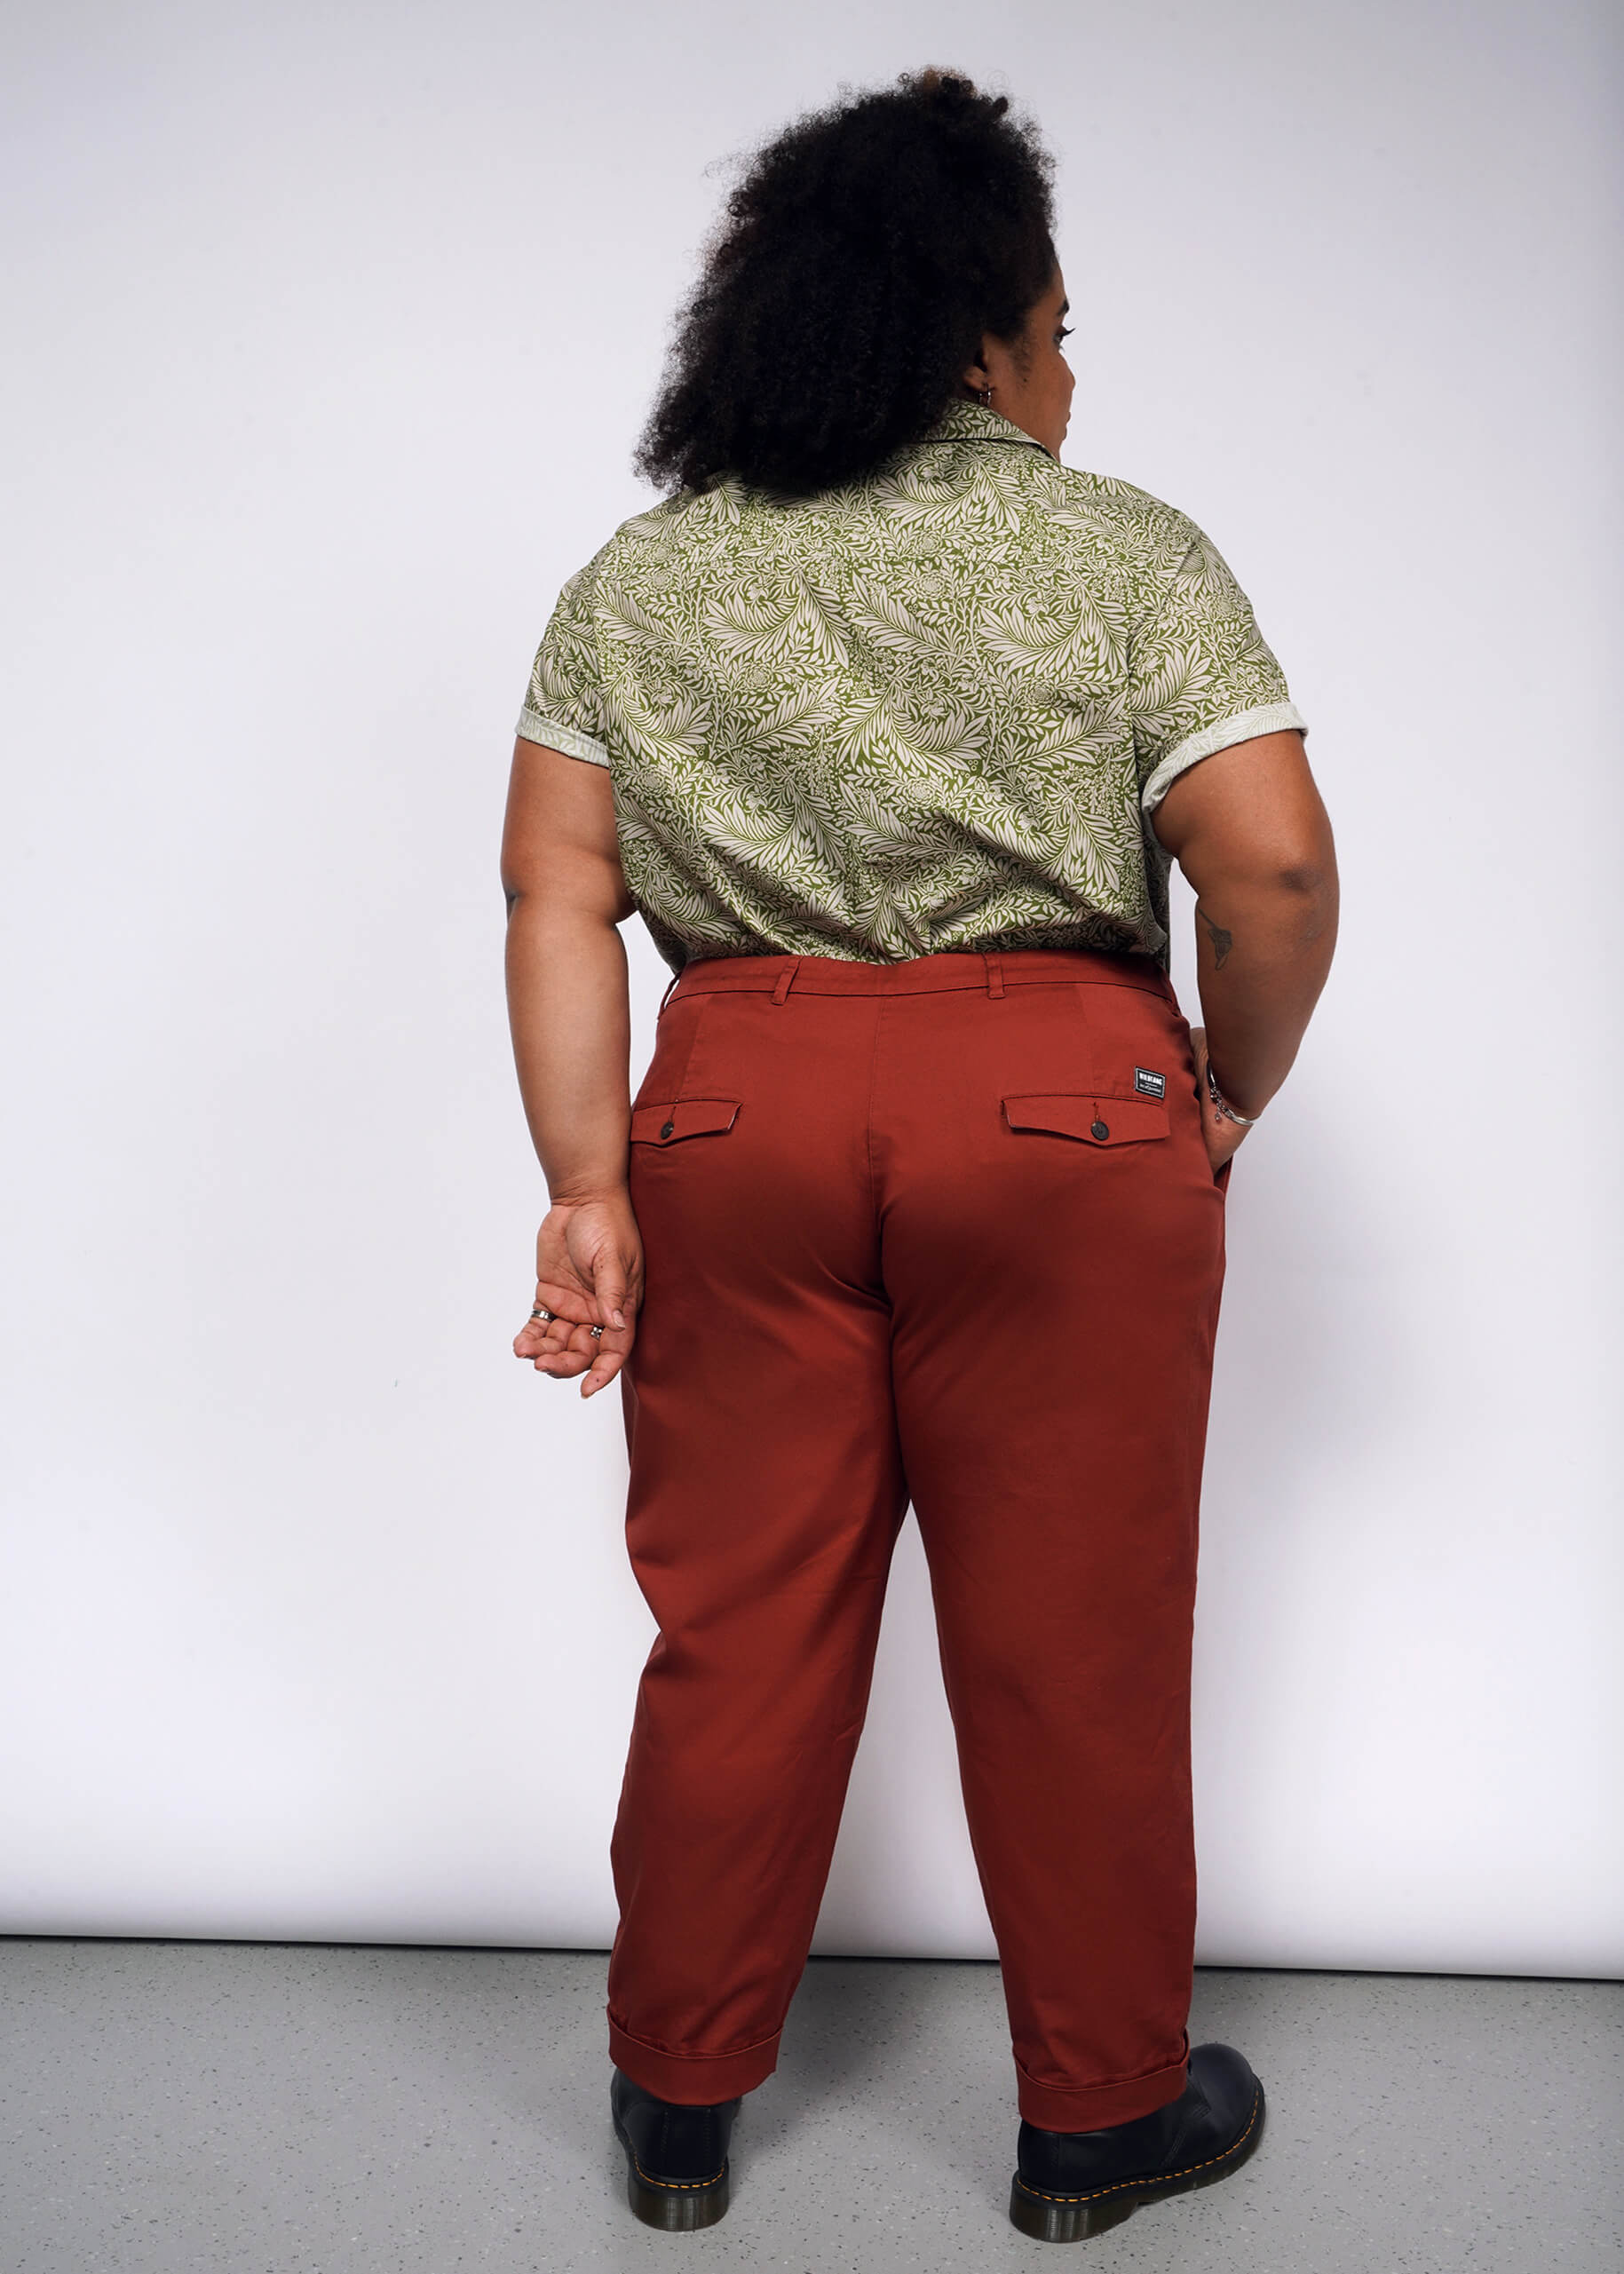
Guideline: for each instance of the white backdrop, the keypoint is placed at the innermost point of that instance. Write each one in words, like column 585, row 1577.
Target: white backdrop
column 331, row 329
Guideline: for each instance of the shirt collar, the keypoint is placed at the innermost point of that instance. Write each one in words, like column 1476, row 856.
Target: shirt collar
column 965, row 421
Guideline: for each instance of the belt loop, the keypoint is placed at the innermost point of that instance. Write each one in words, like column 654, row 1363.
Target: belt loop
column 994, row 974
column 786, row 980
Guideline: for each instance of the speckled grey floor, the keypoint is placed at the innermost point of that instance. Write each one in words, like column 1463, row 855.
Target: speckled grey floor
column 202, row 2108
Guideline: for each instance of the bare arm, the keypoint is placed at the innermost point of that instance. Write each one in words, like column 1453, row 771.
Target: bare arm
column 568, row 1009
column 1249, row 830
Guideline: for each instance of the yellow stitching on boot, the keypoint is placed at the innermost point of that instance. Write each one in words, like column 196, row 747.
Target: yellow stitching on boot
column 1158, row 2179
column 676, row 2186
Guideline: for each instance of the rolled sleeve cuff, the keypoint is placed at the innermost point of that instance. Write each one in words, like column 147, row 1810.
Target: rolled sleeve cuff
column 1271, row 718
column 555, row 735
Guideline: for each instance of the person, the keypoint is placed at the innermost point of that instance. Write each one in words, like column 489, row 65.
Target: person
column 889, row 727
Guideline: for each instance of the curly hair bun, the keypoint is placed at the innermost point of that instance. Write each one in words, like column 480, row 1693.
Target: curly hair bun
column 866, row 251
column 953, row 87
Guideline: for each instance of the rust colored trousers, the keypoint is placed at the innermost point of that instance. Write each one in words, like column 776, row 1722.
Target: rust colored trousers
column 941, row 1231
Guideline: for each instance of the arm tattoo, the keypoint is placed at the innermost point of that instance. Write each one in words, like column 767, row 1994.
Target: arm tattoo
column 1222, row 940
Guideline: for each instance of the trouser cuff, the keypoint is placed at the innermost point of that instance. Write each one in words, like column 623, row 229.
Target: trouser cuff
column 692, row 2080
column 1088, row 2108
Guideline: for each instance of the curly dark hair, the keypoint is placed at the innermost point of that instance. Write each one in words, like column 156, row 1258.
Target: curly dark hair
column 864, row 253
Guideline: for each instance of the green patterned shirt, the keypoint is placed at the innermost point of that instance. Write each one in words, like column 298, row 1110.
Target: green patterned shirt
column 932, row 710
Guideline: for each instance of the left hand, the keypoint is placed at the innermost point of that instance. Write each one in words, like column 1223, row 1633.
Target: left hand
column 1223, row 1138
column 589, row 1271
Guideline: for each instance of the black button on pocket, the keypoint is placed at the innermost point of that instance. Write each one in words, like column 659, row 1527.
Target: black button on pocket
column 1080, row 1114
column 667, row 1121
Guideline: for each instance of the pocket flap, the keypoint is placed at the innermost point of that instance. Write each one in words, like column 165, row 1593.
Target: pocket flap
column 1095, row 1116
column 684, row 1117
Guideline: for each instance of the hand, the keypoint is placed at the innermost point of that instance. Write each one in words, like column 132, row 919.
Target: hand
column 589, row 1271
column 1223, row 1138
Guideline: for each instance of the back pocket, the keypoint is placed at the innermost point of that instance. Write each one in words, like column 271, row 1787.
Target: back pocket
column 1096, row 1117
column 682, row 1117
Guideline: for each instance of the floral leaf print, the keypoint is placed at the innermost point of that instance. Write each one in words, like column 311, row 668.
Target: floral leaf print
column 932, row 710
column 769, row 627
column 886, row 623
column 1031, row 637
column 619, row 615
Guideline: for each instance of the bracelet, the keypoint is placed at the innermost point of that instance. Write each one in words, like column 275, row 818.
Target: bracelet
column 1222, row 1106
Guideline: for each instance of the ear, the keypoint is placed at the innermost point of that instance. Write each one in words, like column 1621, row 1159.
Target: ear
column 977, row 375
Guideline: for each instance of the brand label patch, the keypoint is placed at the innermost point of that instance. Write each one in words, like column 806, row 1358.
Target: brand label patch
column 1149, row 1084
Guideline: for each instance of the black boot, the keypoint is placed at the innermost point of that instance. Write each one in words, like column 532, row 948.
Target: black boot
column 676, row 2157
column 1071, row 2184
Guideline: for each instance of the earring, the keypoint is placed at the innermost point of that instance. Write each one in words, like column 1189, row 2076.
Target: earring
column 984, row 396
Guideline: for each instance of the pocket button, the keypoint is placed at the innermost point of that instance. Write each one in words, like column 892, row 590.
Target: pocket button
column 1098, row 1129
column 666, row 1128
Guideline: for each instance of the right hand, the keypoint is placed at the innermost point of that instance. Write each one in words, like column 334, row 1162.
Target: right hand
column 1224, row 1138
column 589, row 1272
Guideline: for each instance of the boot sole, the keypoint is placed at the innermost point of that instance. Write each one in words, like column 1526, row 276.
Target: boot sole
column 1074, row 2218
column 675, row 2205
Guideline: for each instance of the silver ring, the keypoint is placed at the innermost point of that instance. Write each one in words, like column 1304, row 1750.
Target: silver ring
column 541, row 1312
column 596, row 1332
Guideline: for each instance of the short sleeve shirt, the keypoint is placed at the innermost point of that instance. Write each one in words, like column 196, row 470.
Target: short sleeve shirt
column 932, row 710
